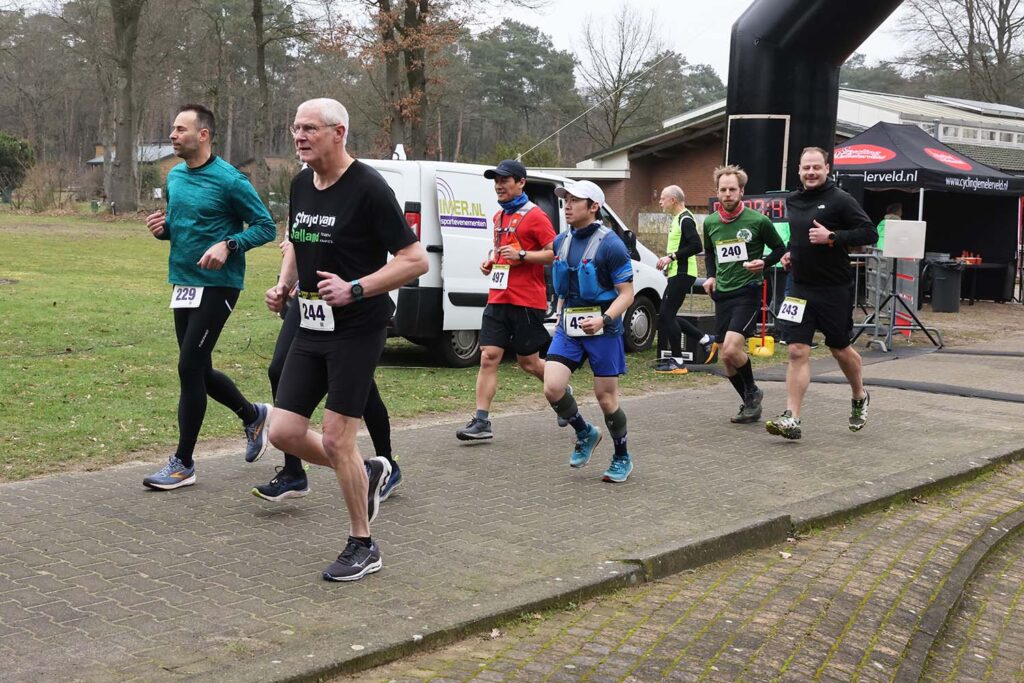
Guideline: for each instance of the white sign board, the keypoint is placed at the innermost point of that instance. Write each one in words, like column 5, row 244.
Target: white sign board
column 904, row 239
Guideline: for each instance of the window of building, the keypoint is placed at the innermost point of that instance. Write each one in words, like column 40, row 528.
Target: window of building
column 970, row 133
column 988, row 135
column 951, row 131
column 1006, row 137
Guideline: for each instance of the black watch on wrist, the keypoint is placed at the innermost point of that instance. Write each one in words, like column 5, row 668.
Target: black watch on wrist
column 607, row 319
column 522, row 254
column 232, row 245
column 357, row 290
column 831, row 237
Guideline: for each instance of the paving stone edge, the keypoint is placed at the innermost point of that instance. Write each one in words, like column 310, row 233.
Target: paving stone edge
column 935, row 618
column 691, row 552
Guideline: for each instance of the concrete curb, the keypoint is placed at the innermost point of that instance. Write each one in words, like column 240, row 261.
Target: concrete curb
column 538, row 596
column 837, row 506
column 935, row 618
column 656, row 563
column 713, row 546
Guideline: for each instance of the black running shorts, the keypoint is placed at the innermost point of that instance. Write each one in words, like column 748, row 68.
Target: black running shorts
column 514, row 327
column 737, row 311
column 829, row 310
column 341, row 369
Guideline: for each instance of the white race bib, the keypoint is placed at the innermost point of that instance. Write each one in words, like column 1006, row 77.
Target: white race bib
column 316, row 314
column 499, row 276
column 792, row 309
column 731, row 251
column 186, row 297
column 572, row 318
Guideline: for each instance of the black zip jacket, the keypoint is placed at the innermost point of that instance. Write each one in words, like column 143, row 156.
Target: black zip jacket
column 820, row 265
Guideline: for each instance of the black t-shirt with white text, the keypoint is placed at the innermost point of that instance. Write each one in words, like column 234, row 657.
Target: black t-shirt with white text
column 347, row 229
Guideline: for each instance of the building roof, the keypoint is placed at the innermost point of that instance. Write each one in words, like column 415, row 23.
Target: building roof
column 687, row 126
column 1008, row 159
column 148, row 153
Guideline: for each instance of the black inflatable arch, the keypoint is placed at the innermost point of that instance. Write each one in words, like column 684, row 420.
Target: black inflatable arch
column 783, row 89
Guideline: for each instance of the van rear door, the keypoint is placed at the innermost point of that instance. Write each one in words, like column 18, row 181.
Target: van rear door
column 463, row 200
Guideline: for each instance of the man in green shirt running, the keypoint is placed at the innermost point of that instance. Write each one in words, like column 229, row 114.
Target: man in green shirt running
column 735, row 238
column 208, row 201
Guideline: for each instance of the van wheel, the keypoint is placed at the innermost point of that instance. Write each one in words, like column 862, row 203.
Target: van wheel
column 639, row 322
column 458, row 348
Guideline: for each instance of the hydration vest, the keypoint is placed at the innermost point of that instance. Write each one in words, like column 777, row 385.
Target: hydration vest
column 513, row 223
column 591, row 290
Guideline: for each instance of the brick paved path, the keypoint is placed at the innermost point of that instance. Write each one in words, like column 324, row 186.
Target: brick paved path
column 837, row 605
column 103, row 580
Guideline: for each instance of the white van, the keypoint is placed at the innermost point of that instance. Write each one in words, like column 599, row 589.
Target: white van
column 450, row 206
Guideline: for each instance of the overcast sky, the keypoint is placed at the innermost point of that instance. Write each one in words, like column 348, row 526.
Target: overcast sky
column 698, row 29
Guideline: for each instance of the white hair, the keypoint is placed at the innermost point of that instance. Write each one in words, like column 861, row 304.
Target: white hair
column 332, row 112
column 676, row 193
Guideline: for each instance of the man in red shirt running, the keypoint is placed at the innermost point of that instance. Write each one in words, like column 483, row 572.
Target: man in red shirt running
column 517, row 302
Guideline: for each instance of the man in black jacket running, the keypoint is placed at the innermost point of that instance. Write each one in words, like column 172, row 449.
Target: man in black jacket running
column 825, row 222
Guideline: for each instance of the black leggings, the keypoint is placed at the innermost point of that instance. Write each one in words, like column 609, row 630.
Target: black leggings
column 670, row 328
column 197, row 330
column 375, row 414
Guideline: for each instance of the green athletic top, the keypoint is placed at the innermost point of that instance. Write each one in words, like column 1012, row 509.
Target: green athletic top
column 683, row 226
column 206, row 205
column 757, row 231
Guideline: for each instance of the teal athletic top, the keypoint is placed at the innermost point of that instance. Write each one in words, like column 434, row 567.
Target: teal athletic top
column 206, row 205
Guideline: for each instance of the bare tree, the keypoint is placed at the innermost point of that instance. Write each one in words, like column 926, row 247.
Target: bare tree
column 613, row 62
column 124, row 178
column 982, row 38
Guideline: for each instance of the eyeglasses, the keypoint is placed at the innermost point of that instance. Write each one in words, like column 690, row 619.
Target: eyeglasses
column 306, row 129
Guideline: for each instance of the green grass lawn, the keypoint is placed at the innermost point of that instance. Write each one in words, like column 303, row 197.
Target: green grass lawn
column 88, row 359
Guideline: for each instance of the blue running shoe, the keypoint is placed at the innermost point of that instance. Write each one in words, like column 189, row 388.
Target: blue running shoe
column 257, row 434
column 619, row 470
column 393, row 481
column 173, row 475
column 585, row 446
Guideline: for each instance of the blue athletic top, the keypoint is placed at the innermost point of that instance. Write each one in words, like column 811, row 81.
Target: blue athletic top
column 614, row 267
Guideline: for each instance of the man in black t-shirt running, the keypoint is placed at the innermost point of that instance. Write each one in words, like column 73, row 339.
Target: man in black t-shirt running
column 344, row 222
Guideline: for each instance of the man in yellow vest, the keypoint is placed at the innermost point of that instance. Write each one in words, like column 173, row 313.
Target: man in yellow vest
column 680, row 267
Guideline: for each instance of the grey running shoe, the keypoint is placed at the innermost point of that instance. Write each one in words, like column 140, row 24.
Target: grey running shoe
column 670, row 366
column 785, row 425
column 475, row 430
column 355, row 562
column 750, row 411
column 859, row 412
column 377, row 471
column 171, row 476
column 257, row 434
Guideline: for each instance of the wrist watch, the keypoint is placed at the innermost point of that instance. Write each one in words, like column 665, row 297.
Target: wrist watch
column 607, row 319
column 232, row 245
column 831, row 237
column 522, row 254
column 672, row 257
column 357, row 290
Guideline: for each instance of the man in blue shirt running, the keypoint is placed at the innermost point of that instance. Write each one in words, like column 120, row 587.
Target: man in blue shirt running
column 593, row 278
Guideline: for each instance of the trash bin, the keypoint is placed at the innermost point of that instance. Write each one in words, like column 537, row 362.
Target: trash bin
column 946, row 277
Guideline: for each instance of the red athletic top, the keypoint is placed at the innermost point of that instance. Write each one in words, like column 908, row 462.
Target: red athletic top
column 531, row 231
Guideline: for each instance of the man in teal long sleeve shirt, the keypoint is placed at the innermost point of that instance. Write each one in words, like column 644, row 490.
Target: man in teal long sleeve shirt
column 209, row 202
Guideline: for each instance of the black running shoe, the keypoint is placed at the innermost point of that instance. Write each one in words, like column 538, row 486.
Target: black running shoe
column 355, row 562
column 283, row 485
column 377, row 471
column 475, row 430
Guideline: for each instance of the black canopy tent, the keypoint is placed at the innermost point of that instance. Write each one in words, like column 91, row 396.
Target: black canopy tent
column 968, row 206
